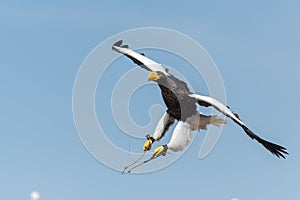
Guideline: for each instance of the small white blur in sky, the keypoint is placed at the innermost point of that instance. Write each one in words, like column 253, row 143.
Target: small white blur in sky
column 35, row 195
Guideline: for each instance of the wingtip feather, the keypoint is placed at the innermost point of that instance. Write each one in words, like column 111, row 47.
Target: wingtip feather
column 275, row 149
column 118, row 43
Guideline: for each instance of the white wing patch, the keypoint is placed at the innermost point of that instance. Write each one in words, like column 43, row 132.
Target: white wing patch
column 180, row 137
column 152, row 65
column 219, row 106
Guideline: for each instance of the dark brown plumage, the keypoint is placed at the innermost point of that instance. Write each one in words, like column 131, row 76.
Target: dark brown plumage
column 175, row 95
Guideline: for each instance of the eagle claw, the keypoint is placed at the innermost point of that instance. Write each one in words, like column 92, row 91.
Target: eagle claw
column 160, row 151
column 148, row 144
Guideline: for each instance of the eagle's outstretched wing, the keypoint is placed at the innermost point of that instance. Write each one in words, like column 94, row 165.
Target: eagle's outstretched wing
column 275, row 149
column 138, row 58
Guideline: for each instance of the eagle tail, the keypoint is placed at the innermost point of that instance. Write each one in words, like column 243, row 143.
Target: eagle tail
column 213, row 120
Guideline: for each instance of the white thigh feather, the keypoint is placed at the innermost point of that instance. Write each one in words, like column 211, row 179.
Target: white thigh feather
column 161, row 126
column 181, row 137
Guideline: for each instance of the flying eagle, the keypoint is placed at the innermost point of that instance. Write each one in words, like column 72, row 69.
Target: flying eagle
column 181, row 104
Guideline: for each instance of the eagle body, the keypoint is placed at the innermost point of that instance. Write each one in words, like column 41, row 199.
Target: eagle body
column 175, row 95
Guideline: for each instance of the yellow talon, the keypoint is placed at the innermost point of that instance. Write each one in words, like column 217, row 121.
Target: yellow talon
column 160, row 151
column 148, row 144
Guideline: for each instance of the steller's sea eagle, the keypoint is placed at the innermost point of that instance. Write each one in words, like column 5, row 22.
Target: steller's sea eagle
column 181, row 104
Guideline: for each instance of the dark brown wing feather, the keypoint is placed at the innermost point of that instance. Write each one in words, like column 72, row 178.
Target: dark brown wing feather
column 275, row 149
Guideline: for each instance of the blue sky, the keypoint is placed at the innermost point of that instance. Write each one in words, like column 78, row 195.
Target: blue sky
column 255, row 46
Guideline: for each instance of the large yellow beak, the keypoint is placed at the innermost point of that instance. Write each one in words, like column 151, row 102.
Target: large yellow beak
column 153, row 76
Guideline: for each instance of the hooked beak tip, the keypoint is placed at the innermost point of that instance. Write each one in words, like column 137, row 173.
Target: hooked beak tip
column 153, row 76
